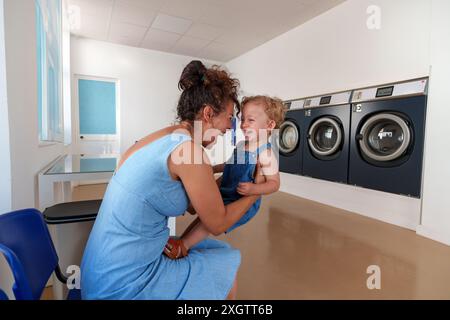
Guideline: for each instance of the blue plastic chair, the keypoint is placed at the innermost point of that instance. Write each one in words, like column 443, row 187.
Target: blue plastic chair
column 28, row 248
column 3, row 296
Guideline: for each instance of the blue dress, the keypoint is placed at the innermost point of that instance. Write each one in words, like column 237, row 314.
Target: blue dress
column 240, row 168
column 124, row 256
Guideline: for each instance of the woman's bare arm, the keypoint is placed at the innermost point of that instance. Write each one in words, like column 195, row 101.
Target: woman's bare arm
column 202, row 190
column 191, row 209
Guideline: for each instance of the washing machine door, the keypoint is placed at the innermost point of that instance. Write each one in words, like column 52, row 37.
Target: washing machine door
column 325, row 137
column 289, row 138
column 384, row 137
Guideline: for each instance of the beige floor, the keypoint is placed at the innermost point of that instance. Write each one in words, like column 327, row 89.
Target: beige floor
column 299, row 249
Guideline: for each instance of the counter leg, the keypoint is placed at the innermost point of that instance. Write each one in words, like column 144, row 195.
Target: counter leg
column 172, row 226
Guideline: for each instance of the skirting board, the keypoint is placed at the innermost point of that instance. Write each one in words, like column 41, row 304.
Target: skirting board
column 433, row 234
column 390, row 208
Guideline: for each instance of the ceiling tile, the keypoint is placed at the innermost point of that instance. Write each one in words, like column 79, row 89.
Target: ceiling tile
column 217, row 51
column 235, row 38
column 188, row 9
column 100, row 8
column 219, row 15
column 154, row 5
column 133, row 15
column 204, row 31
column 308, row 2
column 127, row 32
column 170, row 23
column 162, row 36
column 126, row 41
column 93, row 27
column 160, row 40
column 189, row 45
column 212, row 29
column 159, row 46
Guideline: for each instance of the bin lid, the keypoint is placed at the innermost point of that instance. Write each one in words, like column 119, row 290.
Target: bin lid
column 70, row 212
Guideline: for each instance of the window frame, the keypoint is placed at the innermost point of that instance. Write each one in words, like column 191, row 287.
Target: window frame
column 46, row 135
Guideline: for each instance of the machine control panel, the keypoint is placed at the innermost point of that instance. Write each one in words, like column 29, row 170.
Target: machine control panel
column 328, row 100
column 294, row 104
column 406, row 88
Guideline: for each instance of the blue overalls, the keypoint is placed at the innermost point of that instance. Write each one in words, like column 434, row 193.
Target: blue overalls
column 240, row 168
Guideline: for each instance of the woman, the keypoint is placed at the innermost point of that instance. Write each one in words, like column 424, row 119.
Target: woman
column 124, row 256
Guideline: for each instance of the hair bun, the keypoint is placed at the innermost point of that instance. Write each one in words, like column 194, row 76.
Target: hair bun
column 193, row 74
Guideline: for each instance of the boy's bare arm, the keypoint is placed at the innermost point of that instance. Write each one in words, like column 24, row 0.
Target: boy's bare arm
column 268, row 169
column 271, row 185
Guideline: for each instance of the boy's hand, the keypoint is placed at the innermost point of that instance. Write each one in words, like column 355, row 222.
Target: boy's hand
column 245, row 188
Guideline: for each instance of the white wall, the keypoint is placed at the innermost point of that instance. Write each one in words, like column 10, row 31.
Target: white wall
column 436, row 201
column 5, row 159
column 336, row 51
column 148, row 82
column 27, row 157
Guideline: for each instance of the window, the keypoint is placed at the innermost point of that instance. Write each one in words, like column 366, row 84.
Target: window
column 49, row 70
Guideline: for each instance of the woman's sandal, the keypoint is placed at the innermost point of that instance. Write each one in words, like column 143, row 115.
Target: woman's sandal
column 175, row 249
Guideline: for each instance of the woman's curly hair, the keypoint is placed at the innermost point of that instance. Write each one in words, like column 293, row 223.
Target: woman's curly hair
column 203, row 86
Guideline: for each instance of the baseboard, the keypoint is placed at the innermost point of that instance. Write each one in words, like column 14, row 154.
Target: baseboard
column 393, row 209
column 49, row 282
column 433, row 234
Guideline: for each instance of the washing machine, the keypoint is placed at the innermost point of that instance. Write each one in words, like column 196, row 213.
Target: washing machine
column 290, row 135
column 327, row 125
column 387, row 137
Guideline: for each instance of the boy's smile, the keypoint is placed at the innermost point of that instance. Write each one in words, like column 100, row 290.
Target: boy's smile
column 254, row 119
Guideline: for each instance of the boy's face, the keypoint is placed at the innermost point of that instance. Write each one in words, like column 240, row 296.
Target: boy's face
column 254, row 119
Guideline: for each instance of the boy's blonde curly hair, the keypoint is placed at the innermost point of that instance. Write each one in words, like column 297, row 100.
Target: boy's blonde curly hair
column 273, row 106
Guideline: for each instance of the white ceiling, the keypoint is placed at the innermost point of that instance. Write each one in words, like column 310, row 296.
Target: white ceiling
column 213, row 29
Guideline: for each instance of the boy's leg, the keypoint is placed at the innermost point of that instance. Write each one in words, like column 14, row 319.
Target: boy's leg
column 195, row 233
column 190, row 227
column 178, row 248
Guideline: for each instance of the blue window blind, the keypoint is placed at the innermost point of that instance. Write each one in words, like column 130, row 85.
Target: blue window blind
column 97, row 107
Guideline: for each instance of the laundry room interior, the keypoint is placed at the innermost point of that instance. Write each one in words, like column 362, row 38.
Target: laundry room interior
column 362, row 208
